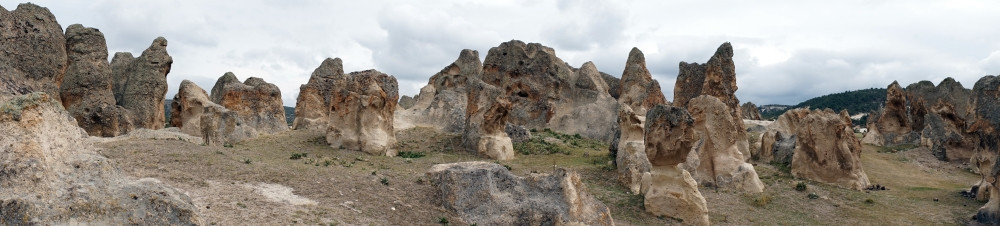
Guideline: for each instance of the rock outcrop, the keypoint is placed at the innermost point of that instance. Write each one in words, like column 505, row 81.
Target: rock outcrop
column 986, row 127
column 715, row 78
column 140, row 84
column 53, row 176
column 750, row 111
column 86, row 89
column 486, row 121
column 257, row 102
column 823, row 145
column 615, row 85
column 193, row 112
column 669, row 189
column 406, row 102
column 442, row 102
column 892, row 125
column 488, row 194
column 720, row 163
column 631, row 160
column 547, row 93
column 33, row 46
column 639, row 90
column 361, row 112
column 313, row 103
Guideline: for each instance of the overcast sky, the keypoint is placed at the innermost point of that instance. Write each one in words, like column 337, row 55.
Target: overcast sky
column 786, row 51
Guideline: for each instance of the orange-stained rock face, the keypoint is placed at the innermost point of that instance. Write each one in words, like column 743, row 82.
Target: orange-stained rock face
column 195, row 114
column 313, row 103
column 257, row 102
column 357, row 108
column 487, row 112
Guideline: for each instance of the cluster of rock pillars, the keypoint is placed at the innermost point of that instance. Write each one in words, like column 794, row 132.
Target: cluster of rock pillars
column 57, row 89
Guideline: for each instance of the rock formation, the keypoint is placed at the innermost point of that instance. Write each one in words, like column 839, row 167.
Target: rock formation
column 53, row 176
column 823, row 145
column 720, row 163
column 313, row 102
column 86, row 89
column 548, row 93
column 615, row 85
column 716, row 78
column 750, row 111
column 33, row 46
column 631, row 159
column 195, row 114
column 442, row 102
column 669, row 189
column 361, row 112
column 986, row 127
column 486, row 120
column 934, row 116
column 406, row 102
column 639, row 90
column 257, row 102
column 488, row 194
column 141, row 83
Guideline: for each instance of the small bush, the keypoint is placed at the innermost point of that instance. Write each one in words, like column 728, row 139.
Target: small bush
column 227, row 145
column 385, row 181
column 443, row 221
column 247, row 161
column 813, row 196
column 801, row 186
column 869, row 201
column 411, row 154
column 298, row 156
column 761, row 200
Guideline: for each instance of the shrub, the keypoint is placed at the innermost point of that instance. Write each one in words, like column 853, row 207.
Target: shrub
column 801, row 186
column 247, row 161
column 411, row 154
column 298, row 156
column 813, row 196
column 761, row 200
column 385, row 181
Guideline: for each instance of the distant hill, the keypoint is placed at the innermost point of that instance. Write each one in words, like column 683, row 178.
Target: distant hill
column 289, row 112
column 855, row 102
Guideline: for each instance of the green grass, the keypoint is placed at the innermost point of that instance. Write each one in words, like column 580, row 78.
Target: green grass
column 411, row 154
column 538, row 144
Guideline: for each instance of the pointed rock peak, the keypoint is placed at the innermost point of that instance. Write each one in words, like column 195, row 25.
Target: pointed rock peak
column 228, row 77
column 589, row 66
column 895, row 85
column 636, row 56
column 122, row 56
column 725, row 51
column 330, row 68
column 159, row 42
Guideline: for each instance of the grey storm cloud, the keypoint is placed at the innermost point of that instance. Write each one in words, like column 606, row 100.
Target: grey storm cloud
column 785, row 51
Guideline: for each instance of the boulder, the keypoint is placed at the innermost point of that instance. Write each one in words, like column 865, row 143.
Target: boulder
column 631, row 159
column 140, row 84
column 361, row 112
column 669, row 189
column 257, row 102
column 824, row 147
column 517, row 134
column 34, row 46
column 442, row 102
column 720, row 163
column 485, row 123
column 193, row 112
column 313, row 103
column 52, row 175
column 986, row 127
column 715, row 78
column 86, row 89
column 488, row 194
column 639, row 90
column 545, row 92
column 750, row 111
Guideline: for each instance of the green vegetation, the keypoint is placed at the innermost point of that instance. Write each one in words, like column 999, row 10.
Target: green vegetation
column 443, row 221
column 801, row 186
column 298, row 156
column 411, row 154
column 550, row 142
column 761, row 200
column 384, row 181
column 855, row 102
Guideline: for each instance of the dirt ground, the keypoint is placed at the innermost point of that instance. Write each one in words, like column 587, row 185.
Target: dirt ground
column 293, row 177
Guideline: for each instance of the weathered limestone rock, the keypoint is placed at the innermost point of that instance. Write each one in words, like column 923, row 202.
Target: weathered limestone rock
column 517, row 134
column 670, row 190
column 488, row 194
column 485, row 122
column 750, row 111
column 631, row 159
column 825, row 148
column 720, row 161
column 614, row 85
column 986, row 127
column 716, row 78
column 639, row 90
column 893, row 125
column 548, row 93
column 406, row 102
column 361, row 112
column 314, row 100
column 257, row 102
column 195, row 114
column 141, row 83
column 53, row 176
column 34, row 46
column 442, row 103
column 86, row 89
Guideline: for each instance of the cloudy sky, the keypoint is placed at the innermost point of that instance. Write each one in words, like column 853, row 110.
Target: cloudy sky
column 786, row 51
